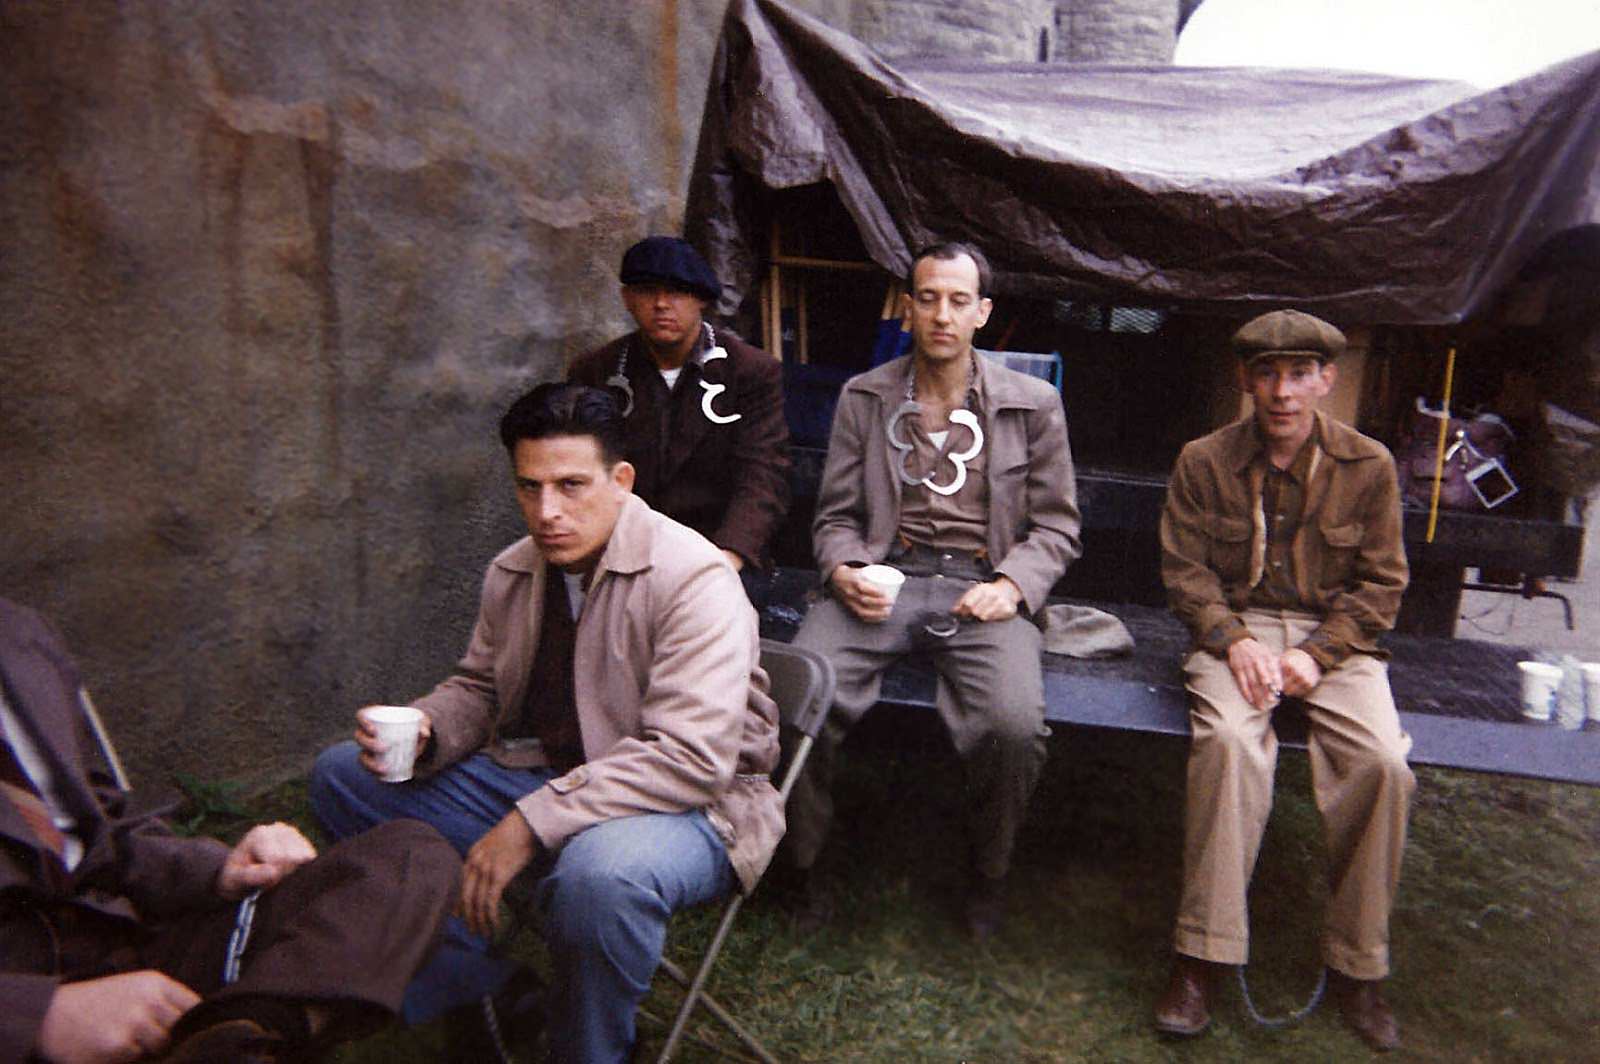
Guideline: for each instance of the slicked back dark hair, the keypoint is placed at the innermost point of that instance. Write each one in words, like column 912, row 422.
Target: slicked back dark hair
column 554, row 409
column 946, row 250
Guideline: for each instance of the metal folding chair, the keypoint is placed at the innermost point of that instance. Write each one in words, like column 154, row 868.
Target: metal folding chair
column 802, row 686
column 102, row 738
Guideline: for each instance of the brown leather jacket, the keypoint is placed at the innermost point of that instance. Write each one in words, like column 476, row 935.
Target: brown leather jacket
column 728, row 482
column 1349, row 560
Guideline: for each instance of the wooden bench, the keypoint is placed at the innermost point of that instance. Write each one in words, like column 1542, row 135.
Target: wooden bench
column 1458, row 698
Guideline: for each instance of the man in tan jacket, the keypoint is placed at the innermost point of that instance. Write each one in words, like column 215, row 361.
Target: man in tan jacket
column 1281, row 550
column 608, row 728
column 956, row 471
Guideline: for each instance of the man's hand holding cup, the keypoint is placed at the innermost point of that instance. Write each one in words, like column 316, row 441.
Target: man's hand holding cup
column 390, row 738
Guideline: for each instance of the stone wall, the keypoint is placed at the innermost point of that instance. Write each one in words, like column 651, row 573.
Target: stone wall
column 271, row 273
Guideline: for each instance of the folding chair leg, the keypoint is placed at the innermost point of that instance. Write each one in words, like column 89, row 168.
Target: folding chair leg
column 695, row 993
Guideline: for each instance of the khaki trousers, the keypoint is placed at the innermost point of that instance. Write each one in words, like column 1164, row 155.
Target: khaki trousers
column 991, row 698
column 1362, row 787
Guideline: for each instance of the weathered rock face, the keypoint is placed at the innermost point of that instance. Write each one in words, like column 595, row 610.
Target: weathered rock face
column 1000, row 30
column 271, row 273
column 1117, row 31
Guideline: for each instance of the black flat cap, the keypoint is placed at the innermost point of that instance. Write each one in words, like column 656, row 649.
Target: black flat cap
column 669, row 261
column 1288, row 334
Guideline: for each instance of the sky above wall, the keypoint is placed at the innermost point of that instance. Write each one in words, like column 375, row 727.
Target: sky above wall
column 1484, row 42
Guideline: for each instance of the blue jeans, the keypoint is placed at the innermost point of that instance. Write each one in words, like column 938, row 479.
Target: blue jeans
column 603, row 906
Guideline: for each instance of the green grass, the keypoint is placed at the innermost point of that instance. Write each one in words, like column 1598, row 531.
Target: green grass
column 1496, row 938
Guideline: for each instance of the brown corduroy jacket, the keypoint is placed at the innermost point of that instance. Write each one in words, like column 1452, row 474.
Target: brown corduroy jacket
column 1349, row 558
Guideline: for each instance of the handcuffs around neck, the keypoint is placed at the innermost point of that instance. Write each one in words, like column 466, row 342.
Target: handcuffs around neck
column 619, row 380
column 964, row 417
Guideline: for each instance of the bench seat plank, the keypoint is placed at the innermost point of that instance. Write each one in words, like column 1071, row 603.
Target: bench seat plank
column 1458, row 698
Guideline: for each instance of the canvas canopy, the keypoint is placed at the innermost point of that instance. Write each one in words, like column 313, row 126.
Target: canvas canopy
column 1359, row 197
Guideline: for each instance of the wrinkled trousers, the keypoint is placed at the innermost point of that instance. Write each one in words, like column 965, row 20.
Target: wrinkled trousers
column 991, row 700
column 1360, row 781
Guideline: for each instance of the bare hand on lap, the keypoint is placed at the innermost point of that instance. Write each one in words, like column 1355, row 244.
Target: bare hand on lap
column 1301, row 673
column 491, row 864
column 996, row 600
column 112, row 1019
column 266, row 854
column 1257, row 672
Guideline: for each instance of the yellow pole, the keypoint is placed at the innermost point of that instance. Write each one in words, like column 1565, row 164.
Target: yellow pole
column 1444, row 431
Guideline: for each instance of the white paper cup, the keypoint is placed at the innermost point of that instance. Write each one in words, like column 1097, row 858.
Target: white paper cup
column 397, row 727
column 1591, row 688
column 1539, row 684
column 884, row 577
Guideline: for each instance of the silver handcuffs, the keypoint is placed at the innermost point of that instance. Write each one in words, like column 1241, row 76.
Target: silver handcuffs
column 619, row 381
column 965, row 418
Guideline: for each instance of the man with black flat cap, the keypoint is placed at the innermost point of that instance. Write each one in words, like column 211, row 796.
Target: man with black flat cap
column 1281, row 550
column 704, row 409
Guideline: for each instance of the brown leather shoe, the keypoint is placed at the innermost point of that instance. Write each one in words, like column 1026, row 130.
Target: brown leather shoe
column 1363, row 1008
column 1184, row 1008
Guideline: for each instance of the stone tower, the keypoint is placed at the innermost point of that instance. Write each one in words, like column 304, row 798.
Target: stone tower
column 1071, row 31
column 995, row 30
column 1117, row 31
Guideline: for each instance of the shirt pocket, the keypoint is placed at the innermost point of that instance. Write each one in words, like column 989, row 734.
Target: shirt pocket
column 1230, row 548
column 1339, row 545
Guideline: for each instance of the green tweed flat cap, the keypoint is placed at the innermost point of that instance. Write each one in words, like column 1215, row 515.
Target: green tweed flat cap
column 1288, row 334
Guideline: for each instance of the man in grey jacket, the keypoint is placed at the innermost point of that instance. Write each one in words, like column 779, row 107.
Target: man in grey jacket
column 957, row 472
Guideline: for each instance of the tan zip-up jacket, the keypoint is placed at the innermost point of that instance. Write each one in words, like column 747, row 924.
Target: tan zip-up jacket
column 671, row 697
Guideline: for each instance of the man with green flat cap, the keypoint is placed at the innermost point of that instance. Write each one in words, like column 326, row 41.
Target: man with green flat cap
column 1281, row 550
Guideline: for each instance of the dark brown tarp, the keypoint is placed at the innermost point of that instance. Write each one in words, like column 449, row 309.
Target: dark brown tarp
column 1361, row 197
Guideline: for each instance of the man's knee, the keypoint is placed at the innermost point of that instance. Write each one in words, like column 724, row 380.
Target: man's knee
column 586, row 904
column 336, row 769
column 1228, row 747
column 1383, row 771
column 341, row 791
column 1018, row 728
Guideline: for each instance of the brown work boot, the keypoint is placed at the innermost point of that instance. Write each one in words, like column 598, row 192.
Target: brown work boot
column 1363, row 1008
column 1184, row 1008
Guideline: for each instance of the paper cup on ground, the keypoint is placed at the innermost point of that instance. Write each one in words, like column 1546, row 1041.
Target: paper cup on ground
column 397, row 727
column 1591, row 688
column 1539, row 684
column 885, row 577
